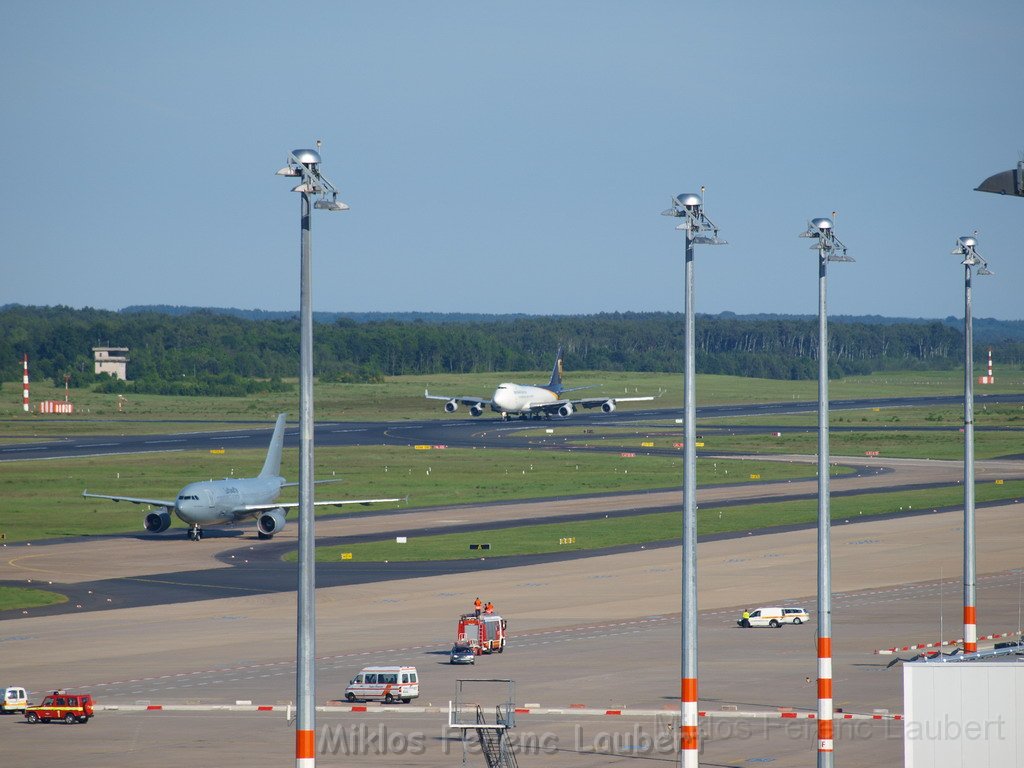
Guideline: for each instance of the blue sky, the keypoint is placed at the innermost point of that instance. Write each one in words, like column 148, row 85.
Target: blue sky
column 509, row 157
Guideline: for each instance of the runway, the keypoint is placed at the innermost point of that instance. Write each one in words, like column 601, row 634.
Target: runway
column 110, row 572
column 486, row 430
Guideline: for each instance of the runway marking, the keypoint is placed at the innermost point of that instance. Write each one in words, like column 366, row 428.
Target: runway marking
column 92, row 455
column 159, row 442
column 192, row 584
column 13, row 562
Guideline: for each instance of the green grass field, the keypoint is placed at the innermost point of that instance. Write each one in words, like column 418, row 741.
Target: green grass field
column 20, row 598
column 645, row 529
column 42, row 499
column 401, row 397
column 430, row 478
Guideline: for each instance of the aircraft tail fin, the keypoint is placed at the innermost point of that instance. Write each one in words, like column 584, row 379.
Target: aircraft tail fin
column 272, row 465
column 555, row 385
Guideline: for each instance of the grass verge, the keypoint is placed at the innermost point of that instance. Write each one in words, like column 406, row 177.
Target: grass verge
column 20, row 598
column 656, row 527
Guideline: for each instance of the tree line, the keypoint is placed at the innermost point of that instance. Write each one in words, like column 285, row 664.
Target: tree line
column 203, row 352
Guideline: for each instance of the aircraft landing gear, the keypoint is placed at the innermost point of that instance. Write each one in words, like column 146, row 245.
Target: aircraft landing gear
column 195, row 533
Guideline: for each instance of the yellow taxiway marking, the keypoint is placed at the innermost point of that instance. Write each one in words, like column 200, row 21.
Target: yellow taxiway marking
column 13, row 562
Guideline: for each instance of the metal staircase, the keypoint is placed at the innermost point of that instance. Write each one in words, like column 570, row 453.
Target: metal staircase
column 494, row 741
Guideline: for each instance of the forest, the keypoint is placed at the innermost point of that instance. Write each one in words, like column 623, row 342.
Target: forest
column 210, row 352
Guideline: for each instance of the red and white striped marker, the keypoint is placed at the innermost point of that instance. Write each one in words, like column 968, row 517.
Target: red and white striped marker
column 970, row 629
column 24, row 382
column 990, row 379
column 305, row 748
column 688, row 732
column 825, row 738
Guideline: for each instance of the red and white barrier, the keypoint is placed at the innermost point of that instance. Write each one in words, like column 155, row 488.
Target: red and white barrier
column 55, row 406
column 404, row 709
column 941, row 644
column 24, row 385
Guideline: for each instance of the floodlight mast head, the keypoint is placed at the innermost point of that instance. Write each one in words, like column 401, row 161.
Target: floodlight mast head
column 690, row 206
column 305, row 163
column 829, row 247
column 966, row 246
column 1006, row 183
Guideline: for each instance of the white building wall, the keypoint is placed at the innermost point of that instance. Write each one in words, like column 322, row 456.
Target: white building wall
column 963, row 714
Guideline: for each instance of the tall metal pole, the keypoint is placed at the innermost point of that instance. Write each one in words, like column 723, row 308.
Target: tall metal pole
column 305, row 724
column 305, row 163
column 825, row 706
column 970, row 596
column 965, row 247
column 690, row 207
column 829, row 249
column 689, row 735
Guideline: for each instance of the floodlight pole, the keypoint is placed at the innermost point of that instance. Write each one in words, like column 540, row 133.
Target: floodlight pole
column 829, row 249
column 305, row 163
column 690, row 207
column 965, row 247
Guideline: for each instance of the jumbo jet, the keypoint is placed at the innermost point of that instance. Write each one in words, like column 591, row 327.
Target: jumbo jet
column 219, row 502
column 532, row 401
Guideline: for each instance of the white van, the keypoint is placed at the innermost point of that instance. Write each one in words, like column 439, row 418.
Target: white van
column 387, row 684
column 763, row 617
column 15, row 699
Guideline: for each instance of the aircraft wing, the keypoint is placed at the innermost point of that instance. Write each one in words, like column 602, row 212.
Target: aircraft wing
column 460, row 400
column 597, row 402
column 254, row 508
column 132, row 499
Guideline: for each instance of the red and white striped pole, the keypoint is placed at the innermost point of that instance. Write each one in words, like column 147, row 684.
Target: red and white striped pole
column 24, row 383
column 991, row 378
column 825, row 738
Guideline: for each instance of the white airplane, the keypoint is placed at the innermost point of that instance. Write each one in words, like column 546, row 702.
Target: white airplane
column 218, row 502
column 531, row 401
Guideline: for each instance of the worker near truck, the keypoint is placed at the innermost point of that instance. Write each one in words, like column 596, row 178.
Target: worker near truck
column 477, row 606
column 489, row 608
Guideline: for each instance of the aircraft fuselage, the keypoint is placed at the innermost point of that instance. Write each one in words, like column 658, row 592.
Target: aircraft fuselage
column 518, row 398
column 220, row 501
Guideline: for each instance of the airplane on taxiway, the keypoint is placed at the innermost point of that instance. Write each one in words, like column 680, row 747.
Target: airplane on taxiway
column 218, row 502
column 532, row 401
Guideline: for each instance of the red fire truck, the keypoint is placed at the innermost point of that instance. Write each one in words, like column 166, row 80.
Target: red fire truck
column 484, row 634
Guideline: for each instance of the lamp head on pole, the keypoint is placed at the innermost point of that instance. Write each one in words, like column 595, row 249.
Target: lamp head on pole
column 966, row 246
column 305, row 164
column 828, row 245
column 690, row 206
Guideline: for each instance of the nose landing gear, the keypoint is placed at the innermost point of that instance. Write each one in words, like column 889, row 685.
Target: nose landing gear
column 195, row 533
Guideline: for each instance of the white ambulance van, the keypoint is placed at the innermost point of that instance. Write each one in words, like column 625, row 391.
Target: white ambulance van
column 14, row 699
column 387, row 684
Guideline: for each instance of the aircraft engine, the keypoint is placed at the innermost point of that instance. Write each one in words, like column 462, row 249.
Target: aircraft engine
column 157, row 521
column 451, row 406
column 476, row 410
column 566, row 410
column 608, row 406
column 270, row 522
